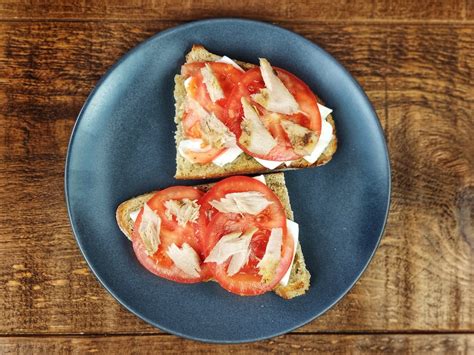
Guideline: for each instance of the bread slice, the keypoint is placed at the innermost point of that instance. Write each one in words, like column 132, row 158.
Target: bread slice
column 299, row 277
column 244, row 164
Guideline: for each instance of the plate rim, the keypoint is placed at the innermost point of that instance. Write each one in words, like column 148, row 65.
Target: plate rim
column 169, row 31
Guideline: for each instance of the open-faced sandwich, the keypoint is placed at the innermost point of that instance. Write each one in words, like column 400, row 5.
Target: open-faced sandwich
column 238, row 232
column 238, row 118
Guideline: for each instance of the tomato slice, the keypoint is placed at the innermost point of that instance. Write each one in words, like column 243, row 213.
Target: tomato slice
column 247, row 282
column 227, row 75
column 204, row 157
column 215, row 225
column 159, row 263
column 157, row 203
column 251, row 83
column 272, row 217
column 191, row 122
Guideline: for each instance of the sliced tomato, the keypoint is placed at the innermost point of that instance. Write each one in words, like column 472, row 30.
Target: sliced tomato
column 159, row 263
column 248, row 282
column 228, row 77
column 307, row 100
column 191, row 122
column 272, row 217
column 157, row 203
column 251, row 83
column 226, row 74
column 205, row 156
column 215, row 225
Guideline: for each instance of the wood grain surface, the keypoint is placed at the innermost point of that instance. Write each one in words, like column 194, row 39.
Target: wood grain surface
column 293, row 344
column 415, row 63
column 270, row 10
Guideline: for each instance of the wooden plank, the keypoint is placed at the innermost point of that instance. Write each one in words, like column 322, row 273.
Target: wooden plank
column 417, row 78
column 320, row 344
column 46, row 72
column 269, row 10
column 430, row 129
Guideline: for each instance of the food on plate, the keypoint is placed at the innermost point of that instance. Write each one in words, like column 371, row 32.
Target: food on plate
column 238, row 232
column 239, row 118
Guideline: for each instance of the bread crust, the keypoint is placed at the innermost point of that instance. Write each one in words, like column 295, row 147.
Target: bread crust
column 244, row 164
column 299, row 278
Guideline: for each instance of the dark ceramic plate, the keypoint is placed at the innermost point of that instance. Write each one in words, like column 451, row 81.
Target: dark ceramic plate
column 122, row 146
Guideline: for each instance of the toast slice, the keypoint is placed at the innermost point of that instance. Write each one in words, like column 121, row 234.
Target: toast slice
column 299, row 278
column 244, row 164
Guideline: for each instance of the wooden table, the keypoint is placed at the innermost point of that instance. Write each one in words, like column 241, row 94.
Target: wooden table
column 414, row 60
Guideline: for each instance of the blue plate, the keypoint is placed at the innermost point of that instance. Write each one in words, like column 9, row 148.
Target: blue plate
column 122, row 145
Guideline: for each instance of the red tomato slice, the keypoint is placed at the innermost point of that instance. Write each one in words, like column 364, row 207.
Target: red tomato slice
column 206, row 156
column 251, row 83
column 272, row 217
column 159, row 263
column 247, row 282
column 228, row 78
column 157, row 203
column 191, row 122
column 217, row 224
